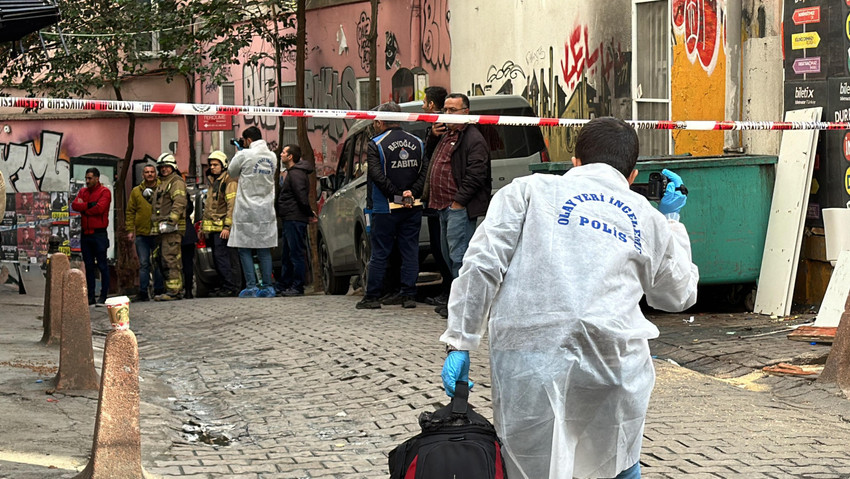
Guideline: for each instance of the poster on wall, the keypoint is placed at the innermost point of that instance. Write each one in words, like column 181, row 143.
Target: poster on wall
column 75, row 221
column 8, row 231
column 60, row 225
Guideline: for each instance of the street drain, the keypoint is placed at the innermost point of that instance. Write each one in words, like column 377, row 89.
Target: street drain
column 215, row 435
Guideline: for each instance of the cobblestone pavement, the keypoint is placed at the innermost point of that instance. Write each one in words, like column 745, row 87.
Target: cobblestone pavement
column 310, row 387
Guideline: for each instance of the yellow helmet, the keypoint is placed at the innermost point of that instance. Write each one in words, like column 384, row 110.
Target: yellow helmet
column 220, row 156
column 166, row 159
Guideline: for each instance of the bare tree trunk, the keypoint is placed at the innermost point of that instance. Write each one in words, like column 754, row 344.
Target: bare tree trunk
column 278, row 65
column 127, row 264
column 303, row 139
column 373, row 59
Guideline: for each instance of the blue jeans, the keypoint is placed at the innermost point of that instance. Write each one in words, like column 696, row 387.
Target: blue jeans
column 144, row 247
column 455, row 232
column 399, row 228
column 293, row 257
column 93, row 247
column 246, row 257
column 630, row 473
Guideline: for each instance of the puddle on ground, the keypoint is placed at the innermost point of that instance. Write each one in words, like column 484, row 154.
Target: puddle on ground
column 215, row 435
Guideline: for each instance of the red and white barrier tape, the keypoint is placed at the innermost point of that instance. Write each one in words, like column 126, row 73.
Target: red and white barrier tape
column 162, row 108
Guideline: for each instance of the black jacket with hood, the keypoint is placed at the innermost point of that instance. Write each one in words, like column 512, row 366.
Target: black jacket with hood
column 293, row 202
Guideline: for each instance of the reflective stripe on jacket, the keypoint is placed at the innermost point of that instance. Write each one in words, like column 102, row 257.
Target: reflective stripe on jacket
column 218, row 207
column 169, row 203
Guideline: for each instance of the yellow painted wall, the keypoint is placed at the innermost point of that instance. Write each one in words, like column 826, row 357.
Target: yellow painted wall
column 698, row 80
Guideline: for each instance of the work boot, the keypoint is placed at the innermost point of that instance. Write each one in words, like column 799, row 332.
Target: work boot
column 440, row 300
column 408, row 302
column 368, row 303
column 442, row 311
column 188, row 295
column 142, row 297
column 168, row 296
column 392, row 299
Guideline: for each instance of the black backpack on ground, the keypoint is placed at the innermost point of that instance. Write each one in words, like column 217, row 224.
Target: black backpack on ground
column 455, row 442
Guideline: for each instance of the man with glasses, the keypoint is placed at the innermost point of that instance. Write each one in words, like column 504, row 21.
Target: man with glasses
column 459, row 185
column 93, row 202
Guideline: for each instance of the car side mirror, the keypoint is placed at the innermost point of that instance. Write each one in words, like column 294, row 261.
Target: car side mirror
column 327, row 183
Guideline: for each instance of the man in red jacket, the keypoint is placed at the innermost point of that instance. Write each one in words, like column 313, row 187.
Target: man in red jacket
column 92, row 202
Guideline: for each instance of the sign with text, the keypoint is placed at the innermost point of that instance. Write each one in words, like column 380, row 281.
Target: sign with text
column 800, row 41
column 802, row 16
column 215, row 122
column 806, row 65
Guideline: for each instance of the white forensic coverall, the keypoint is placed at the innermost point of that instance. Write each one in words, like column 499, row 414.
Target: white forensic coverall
column 558, row 267
column 254, row 220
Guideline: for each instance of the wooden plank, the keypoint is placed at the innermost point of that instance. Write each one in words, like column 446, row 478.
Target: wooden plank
column 787, row 215
column 813, row 333
column 832, row 306
column 786, row 369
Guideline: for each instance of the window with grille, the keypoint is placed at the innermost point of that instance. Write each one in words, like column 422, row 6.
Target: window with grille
column 363, row 93
column 651, row 57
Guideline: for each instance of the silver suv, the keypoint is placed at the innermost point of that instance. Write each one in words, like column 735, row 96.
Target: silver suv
column 344, row 246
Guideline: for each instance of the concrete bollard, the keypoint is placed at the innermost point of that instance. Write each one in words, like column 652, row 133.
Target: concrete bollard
column 53, row 290
column 116, row 448
column 76, row 357
column 837, row 368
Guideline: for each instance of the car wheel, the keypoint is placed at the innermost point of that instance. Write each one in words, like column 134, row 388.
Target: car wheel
column 331, row 283
column 364, row 254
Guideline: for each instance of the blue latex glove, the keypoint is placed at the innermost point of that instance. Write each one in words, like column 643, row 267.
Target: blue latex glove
column 673, row 200
column 455, row 368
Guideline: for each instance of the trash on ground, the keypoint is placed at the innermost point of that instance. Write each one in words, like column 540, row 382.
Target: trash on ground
column 786, row 369
column 813, row 333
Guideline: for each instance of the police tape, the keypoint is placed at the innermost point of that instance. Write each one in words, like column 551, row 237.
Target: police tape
column 196, row 109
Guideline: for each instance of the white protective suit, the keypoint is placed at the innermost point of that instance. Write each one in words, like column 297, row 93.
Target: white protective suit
column 254, row 220
column 558, row 267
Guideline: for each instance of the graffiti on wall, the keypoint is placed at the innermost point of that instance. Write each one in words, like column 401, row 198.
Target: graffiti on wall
column 258, row 90
column 364, row 50
column 699, row 22
column 392, row 51
column 588, row 81
column 330, row 90
column 436, row 40
column 35, row 165
column 506, row 74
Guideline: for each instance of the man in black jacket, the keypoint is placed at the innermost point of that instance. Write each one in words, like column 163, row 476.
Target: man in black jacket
column 396, row 175
column 459, row 184
column 293, row 207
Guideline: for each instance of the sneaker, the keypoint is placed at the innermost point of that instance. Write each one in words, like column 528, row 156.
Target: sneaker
column 100, row 304
column 291, row 292
column 369, row 303
column 249, row 293
column 91, row 302
column 267, row 292
column 442, row 311
column 168, row 296
column 229, row 293
column 408, row 302
column 392, row 299
column 440, row 300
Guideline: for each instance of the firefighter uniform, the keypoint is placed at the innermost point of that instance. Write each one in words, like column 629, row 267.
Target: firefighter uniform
column 168, row 222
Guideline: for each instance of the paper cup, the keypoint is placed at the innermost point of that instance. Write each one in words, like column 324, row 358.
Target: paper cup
column 119, row 312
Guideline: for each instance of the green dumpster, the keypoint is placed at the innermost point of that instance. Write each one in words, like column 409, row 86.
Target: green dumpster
column 727, row 212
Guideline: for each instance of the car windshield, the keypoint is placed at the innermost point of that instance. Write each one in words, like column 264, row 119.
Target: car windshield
column 504, row 141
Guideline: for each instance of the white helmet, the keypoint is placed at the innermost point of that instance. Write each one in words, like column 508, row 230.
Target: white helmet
column 220, row 156
column 166, row 159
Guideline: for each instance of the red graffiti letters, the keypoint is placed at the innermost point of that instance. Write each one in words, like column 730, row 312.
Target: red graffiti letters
column 698, row 21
